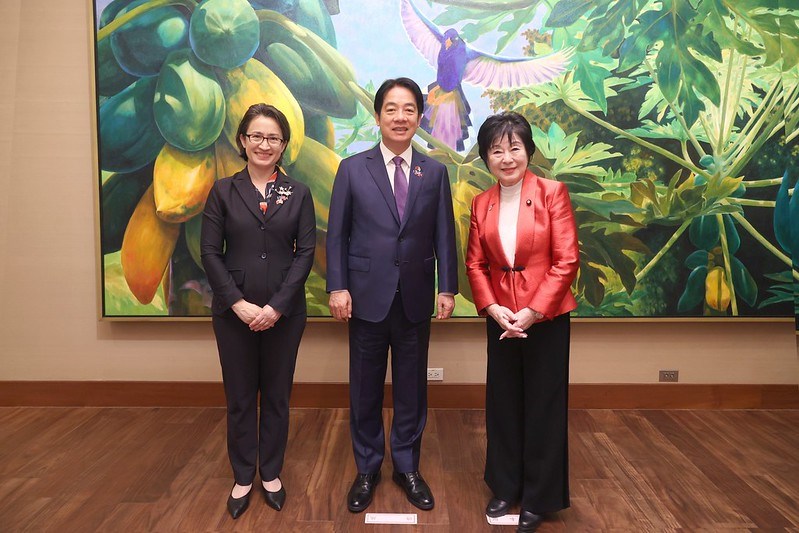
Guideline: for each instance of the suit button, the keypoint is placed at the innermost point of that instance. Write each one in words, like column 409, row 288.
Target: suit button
column 263, row 256
column 396, row 263
column 401, row 239
column 262, row 227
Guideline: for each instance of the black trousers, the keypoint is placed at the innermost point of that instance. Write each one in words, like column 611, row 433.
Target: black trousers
column 254, row 362
column 369, row 344
column 527, row 385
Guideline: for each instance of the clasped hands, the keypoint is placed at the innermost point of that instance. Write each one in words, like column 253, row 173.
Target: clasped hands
column 514, row 324
column 258, row 318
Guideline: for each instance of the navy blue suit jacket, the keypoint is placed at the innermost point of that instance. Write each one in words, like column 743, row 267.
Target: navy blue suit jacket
column 371, row 252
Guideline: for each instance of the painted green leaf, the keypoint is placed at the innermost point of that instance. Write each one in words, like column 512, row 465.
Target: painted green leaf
column 567, row 12
column 591, row 77
column 668, row 72
column 744, row 283
column 694, row 292
column 704, row 232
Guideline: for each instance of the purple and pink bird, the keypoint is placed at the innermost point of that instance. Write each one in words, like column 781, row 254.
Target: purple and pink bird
column 446, row 113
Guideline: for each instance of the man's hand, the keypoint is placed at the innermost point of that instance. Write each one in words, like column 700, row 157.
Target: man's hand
column 341, row 305
column 245, row 310
column 446, row 304
column 266, row 318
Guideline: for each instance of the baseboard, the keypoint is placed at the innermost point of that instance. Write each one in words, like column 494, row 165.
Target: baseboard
column 446, row 396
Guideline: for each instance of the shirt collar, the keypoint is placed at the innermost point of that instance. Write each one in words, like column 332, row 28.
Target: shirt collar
column 388, row 155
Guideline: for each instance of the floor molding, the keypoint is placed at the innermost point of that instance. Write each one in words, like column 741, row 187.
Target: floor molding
column 446, row 396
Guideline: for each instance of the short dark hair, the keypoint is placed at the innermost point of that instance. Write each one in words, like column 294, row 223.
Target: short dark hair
column 504, row 124
column 407, row 83
column 262, row 110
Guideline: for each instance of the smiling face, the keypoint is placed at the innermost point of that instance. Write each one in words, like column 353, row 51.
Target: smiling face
column 507, row 159
column 399, row 118
column 263, row 155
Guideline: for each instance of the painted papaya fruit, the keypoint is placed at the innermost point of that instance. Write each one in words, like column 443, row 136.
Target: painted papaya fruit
column 311, row 81
column 224, row 33
column 745, row 285
column 253, row 83
column 704, row 231
column 782, row 214
column 320, row 128
column 316, row 167
column 731, row 232
column 284, row 7
column 228, row 160
column 129, row 137
column 191, row 232
column 717, row 291
column 181, row 182
column 118, row 199
column 142, row 45
column 146, row 249
column 313, row 14
column 112, row 10
column 694, row 291
column 110, row 77
column 189, row 106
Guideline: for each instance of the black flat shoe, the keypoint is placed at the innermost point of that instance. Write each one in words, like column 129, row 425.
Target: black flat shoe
column 237, row 506
column 528, row 522
column 276, row 499
column 416, row 489
column 361, row 492
column 497, row 508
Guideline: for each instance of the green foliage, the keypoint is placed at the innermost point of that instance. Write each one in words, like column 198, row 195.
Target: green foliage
column 508, row 23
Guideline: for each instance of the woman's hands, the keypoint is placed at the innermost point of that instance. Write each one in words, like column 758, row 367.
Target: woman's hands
column 514, row 324
column 258, row 318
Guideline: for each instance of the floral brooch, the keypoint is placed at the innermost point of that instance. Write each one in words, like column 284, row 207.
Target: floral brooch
column 283, row 194
column 417, row 171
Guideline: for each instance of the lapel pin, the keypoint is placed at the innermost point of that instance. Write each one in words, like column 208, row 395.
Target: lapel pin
column 529, row 202
column 490, row 207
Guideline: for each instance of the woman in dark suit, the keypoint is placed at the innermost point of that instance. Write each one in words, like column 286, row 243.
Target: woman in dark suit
column 521, row 260
column 257, row 247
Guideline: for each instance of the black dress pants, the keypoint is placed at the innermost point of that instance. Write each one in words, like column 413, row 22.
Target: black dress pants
column 527, row 385
column 254, row 362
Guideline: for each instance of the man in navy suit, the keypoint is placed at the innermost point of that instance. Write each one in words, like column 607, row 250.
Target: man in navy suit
column 391, row 228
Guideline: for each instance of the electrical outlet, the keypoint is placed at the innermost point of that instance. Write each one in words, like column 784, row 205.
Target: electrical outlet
column 435, row 374
column 669, row 376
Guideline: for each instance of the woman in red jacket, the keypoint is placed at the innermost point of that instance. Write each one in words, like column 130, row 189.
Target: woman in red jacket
column 521, row 261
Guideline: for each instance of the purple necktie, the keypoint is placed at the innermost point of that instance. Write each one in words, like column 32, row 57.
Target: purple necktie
column 400, row 186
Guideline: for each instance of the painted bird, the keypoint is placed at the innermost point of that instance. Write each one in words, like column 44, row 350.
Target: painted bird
column 446, row 114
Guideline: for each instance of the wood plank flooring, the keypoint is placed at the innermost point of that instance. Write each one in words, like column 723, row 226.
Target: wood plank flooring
column 89, row 469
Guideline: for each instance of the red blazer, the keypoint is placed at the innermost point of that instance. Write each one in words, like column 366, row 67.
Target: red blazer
column 547, row 255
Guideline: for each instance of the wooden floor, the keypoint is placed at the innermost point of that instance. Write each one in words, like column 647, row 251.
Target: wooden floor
column 165, row 469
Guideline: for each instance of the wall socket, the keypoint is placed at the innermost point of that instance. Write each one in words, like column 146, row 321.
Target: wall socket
column 668, row 376
column 435, row 374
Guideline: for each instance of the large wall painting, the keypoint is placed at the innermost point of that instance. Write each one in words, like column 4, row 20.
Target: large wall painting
column 673, row 122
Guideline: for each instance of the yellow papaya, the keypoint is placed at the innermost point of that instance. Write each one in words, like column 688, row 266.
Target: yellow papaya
column 717, row 292
column 254, row 83
column 228, row 160
column 182, row 181
column 146, row 248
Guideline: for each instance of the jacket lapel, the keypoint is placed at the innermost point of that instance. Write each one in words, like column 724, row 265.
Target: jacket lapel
column 414, row 182
column 244, row 187
column 493, row 241
column 274, row 206
column 525, row 227
column 377, row 169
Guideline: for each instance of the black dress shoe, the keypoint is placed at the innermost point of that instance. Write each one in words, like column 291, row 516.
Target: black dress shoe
column 416, row 489
column 497, row 508
column 237, row 506
column 361, row 492
column 528, row 522
column 276, row 499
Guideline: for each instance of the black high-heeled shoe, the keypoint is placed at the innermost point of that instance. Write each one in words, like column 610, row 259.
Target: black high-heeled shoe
column 276, row 499
column 237, row 506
